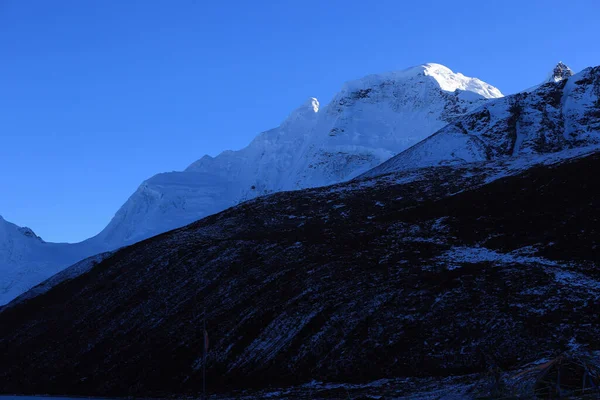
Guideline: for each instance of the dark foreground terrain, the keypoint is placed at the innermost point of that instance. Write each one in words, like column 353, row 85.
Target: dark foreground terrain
column 430, row 274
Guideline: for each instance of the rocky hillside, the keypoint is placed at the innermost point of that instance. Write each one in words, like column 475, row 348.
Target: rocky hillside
column 440, row 272
column 559, row 115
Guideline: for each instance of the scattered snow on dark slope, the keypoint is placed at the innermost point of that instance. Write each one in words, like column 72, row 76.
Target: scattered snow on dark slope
column 432, row 274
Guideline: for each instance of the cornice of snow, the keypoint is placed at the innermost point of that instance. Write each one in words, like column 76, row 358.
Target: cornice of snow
column 308, row 110
column 314, row 146
column 559, row 73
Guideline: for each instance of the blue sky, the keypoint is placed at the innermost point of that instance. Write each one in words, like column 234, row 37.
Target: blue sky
column 98, row 95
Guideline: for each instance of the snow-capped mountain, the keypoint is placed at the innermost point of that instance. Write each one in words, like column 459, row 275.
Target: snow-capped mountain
column 560, row 73
column 26, row 260
column 559, row 115
column 366, row 123
column 459, row 257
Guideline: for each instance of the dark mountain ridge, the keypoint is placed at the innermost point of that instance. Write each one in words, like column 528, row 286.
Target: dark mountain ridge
column 432, row 273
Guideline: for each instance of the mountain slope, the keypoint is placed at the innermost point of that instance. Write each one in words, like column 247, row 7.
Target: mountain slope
column 556, row 116
column 436, row 272
column 366, row 123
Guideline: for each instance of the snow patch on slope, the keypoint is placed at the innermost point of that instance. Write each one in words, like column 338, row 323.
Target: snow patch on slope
column 482, row 254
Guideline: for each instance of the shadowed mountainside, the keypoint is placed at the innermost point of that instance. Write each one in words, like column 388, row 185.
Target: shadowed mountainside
column 437, row 272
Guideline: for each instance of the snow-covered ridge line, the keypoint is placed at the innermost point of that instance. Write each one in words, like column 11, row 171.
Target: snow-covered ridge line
column 26, row 260
column 446, row 79
column 554, row 117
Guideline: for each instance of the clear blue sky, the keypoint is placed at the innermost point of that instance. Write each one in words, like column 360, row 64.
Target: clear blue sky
column 98, row 95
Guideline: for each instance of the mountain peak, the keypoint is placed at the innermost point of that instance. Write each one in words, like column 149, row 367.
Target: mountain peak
column 444, row 77
column 9, row 228
column 451, row 81
column 312, row 103
column 560, row 72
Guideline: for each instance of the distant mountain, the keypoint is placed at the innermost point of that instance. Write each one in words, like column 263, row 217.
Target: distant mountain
column 561, row 114
column 26, row 260
column 366, row 123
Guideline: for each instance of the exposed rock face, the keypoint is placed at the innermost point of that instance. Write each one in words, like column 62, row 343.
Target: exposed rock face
column 370, row 120
column 560, row 73
column 481, row 257
column 435, row 272
column 28, row 232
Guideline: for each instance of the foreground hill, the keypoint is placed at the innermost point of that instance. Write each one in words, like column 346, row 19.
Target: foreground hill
column 431, row 273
